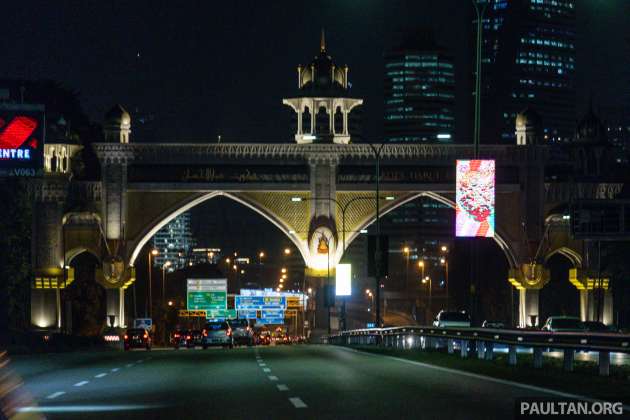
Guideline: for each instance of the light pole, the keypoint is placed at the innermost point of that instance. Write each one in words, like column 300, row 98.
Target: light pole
column 154, row 252
column 377, row 252
column 444, row 261
column 164, row 267
column 427, row 279
column 406, row 251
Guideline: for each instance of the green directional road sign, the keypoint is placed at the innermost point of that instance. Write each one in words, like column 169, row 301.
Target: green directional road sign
column 207, row 300
column 221, row 314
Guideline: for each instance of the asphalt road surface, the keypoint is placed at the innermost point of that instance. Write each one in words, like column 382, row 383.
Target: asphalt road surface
column 303, row 381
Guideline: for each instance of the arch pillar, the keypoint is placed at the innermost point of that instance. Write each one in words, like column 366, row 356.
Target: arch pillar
column 47, row 254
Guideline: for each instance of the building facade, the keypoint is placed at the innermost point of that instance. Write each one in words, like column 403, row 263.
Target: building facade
column 419, row 93
column 528, row 59
column 173, row 243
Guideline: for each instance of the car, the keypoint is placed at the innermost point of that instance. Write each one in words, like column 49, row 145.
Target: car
column 445, row 319
column 263, row 338
column 178, row 338
column 598, row 326
column 492, row 324
column 563, row 324
column 137, row 338
column 193, row 338
column 217, row 333
column 242, row 333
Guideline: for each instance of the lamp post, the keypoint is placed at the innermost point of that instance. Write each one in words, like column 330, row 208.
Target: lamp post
column 164, row 267
column 444, row 261
column 406, row 251
column 428, row 280
column 154, row 252
column 377, row 252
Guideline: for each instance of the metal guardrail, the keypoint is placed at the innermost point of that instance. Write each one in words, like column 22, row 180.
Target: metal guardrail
column 485, row 339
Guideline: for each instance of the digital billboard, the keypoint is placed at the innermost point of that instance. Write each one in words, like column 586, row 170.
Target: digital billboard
column 474, row 198
column 343, row 283
column 22, row 131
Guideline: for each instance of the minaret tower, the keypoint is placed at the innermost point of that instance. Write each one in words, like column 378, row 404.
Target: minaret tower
column 322, row 103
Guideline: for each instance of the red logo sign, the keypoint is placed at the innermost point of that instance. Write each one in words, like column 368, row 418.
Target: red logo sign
column 17, row 132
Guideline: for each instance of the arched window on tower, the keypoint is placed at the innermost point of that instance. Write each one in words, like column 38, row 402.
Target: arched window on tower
column 323, row 121
column 53, row 162
column 306, row 120
column 338, row 121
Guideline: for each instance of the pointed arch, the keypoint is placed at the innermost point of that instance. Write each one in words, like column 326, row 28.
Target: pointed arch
column 498, row 237
column 573, row 256
column 171, row 213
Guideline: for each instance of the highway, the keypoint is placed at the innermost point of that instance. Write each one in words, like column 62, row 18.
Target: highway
column 302, row 381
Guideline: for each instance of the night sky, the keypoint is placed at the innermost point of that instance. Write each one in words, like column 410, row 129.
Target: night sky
column 200, row 69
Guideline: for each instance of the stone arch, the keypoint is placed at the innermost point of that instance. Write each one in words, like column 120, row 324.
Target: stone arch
column 498, row 237
column 573, row 256
column 71, row 254
column 169, row 214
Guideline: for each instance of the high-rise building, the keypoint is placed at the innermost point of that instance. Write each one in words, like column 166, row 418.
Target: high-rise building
column 419, row 92
column 173, row 242
column 528, row 59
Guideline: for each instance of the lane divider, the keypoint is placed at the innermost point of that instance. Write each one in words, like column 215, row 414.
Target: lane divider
column 282, row 387
column 100, row 375
column 129, row 365
column 266, row 370
column 81, row 383
column 115, row 369
column 55, row 395
column 297, row 402
column 272, row 378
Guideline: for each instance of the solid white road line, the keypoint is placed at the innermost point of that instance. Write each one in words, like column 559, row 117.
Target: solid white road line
column 100, row 375
column 115, row 369
column 81, row 383
column 266, row 370
column 282, row 387
column 55, row 395
column 485, row 378
column 297, row 402
column 272, row 378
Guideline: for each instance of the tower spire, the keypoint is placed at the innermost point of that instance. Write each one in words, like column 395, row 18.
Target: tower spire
column 322, row 42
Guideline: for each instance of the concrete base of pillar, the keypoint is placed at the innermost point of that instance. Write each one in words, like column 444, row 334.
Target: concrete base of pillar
column 464, row 349
column 512, row 355
column 589, row 306
column 44, row 308
column 528, row 308
column 116, row 307
column 538, row 357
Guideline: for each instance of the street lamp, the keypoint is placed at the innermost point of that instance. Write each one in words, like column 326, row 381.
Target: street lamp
column 164, row 267
column 406, row 252
column 428, row 280
column 287, row 251
column 154, row 252
column 444, row 262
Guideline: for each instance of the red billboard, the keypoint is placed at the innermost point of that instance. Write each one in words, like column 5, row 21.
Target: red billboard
column 22, row 131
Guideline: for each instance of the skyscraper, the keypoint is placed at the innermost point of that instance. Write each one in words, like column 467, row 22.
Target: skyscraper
column 173, row 242
column 419, row 92
column 528, row 59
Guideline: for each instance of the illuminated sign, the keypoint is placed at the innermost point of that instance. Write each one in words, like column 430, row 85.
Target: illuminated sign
column 22, row 129
column 474, row 198
column 343, row 283
column 206, row 294
column 260, row 302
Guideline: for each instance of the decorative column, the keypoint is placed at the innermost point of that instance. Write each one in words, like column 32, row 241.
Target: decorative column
column 50, row 195
column 528, row 280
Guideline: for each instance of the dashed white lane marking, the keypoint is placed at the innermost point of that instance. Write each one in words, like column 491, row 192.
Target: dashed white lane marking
column 297, row 402
column 140, row 361
column 81, row 383
column 266, row 370
column 129, row 365
column 55, row 395
column 100, row 375
column 282, row 387
column 115, row 369
column 262, row 364
column 272, row 378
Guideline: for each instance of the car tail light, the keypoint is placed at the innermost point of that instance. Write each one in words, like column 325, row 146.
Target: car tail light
column 187, row 337
column 176, row 335
column 145, row 335
column 126, row 336
column 205, row 333
column 228, row 332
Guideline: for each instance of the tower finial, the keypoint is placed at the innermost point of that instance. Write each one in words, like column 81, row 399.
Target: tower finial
column 322, row 42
